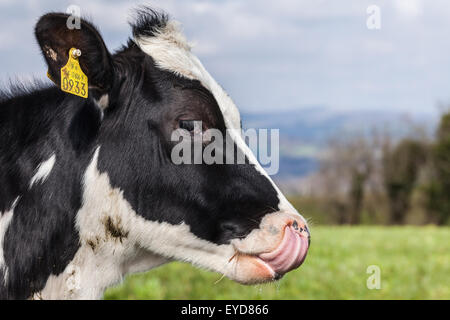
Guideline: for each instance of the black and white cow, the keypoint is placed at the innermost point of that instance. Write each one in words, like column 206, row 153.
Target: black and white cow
column 88, row 191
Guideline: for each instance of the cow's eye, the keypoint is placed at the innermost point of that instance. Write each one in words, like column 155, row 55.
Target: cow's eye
column 188, row 125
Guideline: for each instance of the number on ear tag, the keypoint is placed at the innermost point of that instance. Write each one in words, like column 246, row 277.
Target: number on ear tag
column 73, row 79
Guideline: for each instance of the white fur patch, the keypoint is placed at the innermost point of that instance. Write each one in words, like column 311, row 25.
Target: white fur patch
column 5, row 220
column 103, row 102
column 43, row 171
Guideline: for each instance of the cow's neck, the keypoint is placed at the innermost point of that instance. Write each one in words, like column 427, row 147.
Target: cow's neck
column 88, row 275
column 109, row 248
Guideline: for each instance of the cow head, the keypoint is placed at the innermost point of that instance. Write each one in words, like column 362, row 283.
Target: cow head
column 138, row 205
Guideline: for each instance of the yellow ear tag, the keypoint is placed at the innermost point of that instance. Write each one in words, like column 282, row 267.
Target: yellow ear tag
column 73, row 79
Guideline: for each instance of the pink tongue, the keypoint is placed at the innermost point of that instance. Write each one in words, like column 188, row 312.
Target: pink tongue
column 289, row 255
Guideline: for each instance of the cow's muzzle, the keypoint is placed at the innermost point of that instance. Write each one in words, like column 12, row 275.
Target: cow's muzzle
column 285, row 246
column 291, row 252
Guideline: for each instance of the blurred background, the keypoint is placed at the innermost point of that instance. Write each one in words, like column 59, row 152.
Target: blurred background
column 364, row 124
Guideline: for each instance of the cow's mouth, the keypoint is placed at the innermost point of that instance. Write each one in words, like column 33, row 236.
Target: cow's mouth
column 287, row 256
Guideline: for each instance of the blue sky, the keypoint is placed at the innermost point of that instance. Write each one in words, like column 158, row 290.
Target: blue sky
column 284, row 54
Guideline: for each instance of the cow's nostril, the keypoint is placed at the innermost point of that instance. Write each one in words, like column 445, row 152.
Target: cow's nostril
column 231, row 228
column 302, row 229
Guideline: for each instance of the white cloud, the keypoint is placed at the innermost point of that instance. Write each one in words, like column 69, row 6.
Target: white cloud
column 409, row 8
column 375, row 46
column 7, row 40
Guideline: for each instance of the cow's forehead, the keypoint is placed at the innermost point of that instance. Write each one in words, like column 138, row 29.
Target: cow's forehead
column 170, row 51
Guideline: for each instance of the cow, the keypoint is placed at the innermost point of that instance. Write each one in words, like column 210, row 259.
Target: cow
column 89, row 191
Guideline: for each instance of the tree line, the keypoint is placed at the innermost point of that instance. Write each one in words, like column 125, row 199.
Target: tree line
column 374, row 178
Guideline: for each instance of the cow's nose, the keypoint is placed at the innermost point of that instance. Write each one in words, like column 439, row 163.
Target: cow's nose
column 229, row 226
column 302, row 230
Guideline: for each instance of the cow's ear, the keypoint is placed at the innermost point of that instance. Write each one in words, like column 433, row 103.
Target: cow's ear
column 56, row 37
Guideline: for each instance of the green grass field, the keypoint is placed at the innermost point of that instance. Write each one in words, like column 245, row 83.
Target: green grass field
column 414, row 264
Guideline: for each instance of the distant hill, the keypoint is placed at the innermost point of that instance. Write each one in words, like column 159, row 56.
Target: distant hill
column 305, row 131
